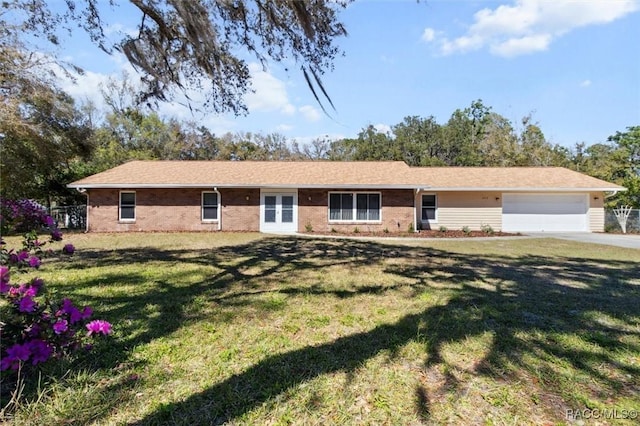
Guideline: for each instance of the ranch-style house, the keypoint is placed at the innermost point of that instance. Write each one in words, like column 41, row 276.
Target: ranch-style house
column 375, row 196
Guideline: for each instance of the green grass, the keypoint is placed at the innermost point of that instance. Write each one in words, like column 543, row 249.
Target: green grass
column 246, row 329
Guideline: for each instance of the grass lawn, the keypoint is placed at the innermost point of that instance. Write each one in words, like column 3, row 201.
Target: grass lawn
column 250, row 329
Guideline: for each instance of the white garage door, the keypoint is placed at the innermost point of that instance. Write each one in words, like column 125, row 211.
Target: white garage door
column 544, row 212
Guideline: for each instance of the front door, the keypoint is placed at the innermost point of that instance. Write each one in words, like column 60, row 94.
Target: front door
column 279, row 212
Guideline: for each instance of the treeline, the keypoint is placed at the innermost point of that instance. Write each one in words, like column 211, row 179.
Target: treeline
column 65, row 143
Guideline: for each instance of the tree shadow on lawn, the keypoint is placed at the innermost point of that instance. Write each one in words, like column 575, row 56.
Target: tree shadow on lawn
column 504, row 296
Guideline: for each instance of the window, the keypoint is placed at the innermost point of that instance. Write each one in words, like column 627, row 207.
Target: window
column 209, row 206
column 127, row 205
column 429, row 207
column 356, row 207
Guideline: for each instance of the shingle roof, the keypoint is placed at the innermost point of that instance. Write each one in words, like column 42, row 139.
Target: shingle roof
column 293, row 174
column 509, row 178
column 336, row 174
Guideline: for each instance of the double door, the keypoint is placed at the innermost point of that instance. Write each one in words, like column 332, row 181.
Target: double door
column 278, row 212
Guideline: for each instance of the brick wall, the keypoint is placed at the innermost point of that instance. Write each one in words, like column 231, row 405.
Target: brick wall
column 173, row 210
column 397, row 212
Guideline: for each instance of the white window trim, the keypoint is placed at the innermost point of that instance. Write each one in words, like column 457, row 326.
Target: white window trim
column 135, row 206
column 435, row 220
column 354, row 208
column 202, row 206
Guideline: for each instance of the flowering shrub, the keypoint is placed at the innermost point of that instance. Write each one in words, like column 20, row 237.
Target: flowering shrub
column 23, row 216
column 35, row 328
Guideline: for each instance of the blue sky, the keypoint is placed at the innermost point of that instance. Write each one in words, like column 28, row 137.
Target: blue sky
column 573, row 65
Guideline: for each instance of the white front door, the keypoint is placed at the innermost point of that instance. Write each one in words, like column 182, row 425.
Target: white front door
column 278, row 212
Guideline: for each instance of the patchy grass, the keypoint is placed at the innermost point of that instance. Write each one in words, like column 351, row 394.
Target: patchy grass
column 245, row 329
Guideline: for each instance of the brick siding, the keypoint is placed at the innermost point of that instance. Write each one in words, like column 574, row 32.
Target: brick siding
column 174, row 210
column 397, row 211
column 180, row 210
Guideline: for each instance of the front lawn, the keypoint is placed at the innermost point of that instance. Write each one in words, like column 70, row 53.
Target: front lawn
column 249, row 329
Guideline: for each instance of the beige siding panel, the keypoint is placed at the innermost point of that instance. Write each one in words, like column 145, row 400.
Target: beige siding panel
column 596, row 212
column 474, row 218
column 473, row 209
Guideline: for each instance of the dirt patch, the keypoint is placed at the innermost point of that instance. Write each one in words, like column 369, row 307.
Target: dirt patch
column 433, row 233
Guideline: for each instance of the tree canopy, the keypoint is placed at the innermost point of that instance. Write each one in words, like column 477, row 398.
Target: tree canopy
column 197, row 46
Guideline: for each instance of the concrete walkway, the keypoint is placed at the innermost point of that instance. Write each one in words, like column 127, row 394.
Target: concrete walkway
column 618, row 240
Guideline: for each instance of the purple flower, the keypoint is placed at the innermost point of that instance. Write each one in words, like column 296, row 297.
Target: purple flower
column 37, row 283
column 40, row 351
column 68, row 249
column 34, row 262
column 60, row 326
column 5, row 275
column 18, row 257
column 4, row 279
column 99, row 327
column 15, row 354
column 56, row 235
column 86, row 312
column 34, row 330
column 27, row 290
column 74, row 313
column 48, row 220
column 26, row 304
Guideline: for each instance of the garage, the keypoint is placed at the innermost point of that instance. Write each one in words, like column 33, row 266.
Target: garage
column 563, row 212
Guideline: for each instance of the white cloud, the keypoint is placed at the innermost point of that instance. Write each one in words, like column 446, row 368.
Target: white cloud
column 528, row 26
column 382, row 128
column 310, row 113
column 270, row 94
column 283, row 127
column 428, row 35
column 306, row 140
column 522, row 45
column 585, row 83
column 461, row 44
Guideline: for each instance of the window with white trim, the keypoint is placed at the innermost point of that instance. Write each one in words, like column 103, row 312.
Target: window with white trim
column 127, row 205
column 354, row 206
column 429, row 207
column 210, row 205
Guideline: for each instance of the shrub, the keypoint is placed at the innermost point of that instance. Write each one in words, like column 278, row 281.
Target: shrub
column 356, row 230
column 23, row 216
column 466, row 230
column 308, row 227
column 487, row 229
column 385, row 230
column 442, row 228
column 410, row 228
column 35, row 328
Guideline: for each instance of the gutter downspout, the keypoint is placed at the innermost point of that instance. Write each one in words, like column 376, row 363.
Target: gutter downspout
column 612, row 194
column 415, row 210
column 215, row 189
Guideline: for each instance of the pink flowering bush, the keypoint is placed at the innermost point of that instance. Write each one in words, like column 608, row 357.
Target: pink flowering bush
column 35, row 328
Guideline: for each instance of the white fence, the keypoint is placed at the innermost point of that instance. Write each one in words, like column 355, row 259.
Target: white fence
column 70, row 217
column 611, row 222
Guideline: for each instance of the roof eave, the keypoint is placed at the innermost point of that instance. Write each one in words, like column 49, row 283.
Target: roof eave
column 526, row 189
column 248, row 185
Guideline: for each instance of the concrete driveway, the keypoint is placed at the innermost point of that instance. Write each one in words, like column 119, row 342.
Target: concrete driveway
column 618, row 240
